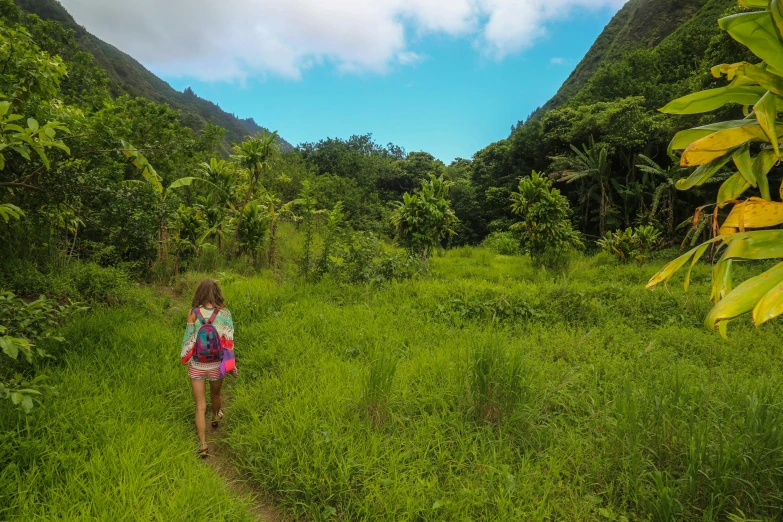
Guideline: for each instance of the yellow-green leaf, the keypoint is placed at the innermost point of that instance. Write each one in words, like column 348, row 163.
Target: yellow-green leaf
column 745, row 165
column 703, row 173
column 769, row 306
column 766, row 114
column 776, row 9
column 684, row 138
column 757, row 32
column 719, row 143
column 754, row 213
column 711, row 99
column 721, row 280
column 761, row 167
column 750, row 4
column 696, row 256
column 755, row 245
column 666, row 273
column 732, row 188
column 744, row 298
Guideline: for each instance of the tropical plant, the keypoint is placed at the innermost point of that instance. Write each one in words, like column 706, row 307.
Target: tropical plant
column 256, row 155
column 275, row 209
column 333, row 239
column 309, row 213
column 664, row 200
column 544, row 227
column 753, row 144
column 253, row 229
column 424, row 219
column 631, row 244
column 592, row 166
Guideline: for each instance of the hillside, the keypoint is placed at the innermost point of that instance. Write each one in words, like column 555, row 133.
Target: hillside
column 128, row 76
column 639, row 24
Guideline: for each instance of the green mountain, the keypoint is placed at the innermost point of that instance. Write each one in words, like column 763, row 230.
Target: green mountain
column 128, row 76
column 644, row 24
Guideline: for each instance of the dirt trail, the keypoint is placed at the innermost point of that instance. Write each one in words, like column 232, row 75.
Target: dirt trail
column 220, row 461
column 219, row 458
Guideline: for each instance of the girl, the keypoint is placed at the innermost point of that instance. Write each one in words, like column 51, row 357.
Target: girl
column 207, row 309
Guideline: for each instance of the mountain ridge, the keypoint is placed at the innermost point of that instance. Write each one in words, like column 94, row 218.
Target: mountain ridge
column 128, row 76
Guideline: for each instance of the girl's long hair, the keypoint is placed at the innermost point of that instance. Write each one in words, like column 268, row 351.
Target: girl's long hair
column 208, row 292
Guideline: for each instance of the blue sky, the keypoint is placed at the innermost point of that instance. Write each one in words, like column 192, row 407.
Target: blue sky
column 451, row 104
column 444, row 76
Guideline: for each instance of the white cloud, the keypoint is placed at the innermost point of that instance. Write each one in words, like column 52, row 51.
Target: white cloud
column 236, row 39
column 410, row 58
column 557, row 61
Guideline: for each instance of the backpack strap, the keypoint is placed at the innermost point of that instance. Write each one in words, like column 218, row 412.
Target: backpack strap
column 214, row 315
column 199, row 316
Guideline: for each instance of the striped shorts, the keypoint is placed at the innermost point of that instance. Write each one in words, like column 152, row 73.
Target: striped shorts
column 206, row 371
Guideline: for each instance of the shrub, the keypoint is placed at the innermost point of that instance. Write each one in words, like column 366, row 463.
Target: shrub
column 496, row 380
column 502, row 243
column 545, row 230
column 631, row 244
column 94, row 283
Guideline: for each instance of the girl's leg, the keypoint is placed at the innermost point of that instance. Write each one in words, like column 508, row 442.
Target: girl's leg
column 214, row 393
column 199, row 394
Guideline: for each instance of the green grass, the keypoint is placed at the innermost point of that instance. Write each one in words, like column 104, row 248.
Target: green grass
column 117, row 442
column 490, row 391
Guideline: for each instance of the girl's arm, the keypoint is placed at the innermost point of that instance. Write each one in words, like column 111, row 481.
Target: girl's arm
column 189, row 339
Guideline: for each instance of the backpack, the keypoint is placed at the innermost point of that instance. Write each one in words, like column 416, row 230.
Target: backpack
column 208, row 348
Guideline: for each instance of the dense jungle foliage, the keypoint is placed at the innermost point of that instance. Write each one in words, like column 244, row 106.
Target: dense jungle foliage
column 456, row 356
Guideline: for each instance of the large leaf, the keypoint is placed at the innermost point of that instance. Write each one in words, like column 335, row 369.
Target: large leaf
column 763, row 163
column 719, row 143
column 754, row 3
column 684, row 138
column 763, row 75
column 721, row 280
column 744, row 298
column 757, row 32
column 711, row 99
column 141, row 163
column 776, row 8
column 745, row 165
column 182, row 182
column 704, row 172
column 753, row 213
column 666, row 273
column 732, row 188
column 766, row 114
column 755, row 245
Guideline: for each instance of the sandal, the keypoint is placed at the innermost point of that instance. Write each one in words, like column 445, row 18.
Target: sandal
column 216, row 422
column 203, row 451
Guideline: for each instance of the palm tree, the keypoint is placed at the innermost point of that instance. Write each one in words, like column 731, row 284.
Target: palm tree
column 256, row 154
column 665, row 195
column 593, row 168
column 274, row 211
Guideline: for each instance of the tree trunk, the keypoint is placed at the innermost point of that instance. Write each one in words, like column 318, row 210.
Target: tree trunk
column 250, row 191
column 602, row 212
column 163, row 239
column 272, row 243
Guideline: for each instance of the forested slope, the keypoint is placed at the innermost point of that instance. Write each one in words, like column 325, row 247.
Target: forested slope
column 128, row 76
column 639, row 24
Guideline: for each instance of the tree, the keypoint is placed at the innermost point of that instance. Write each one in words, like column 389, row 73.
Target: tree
column 274, row 210
column 544, row 227
column 256, row 155
column 591, row 166
column 424, row 219
column 711, row 147
column 664, row 201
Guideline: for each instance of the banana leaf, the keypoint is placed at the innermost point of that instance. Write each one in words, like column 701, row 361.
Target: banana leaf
column 719, row 143
column 758, row 33
column 745, row 165
column 684, row 138
column 766, row 114
column 732, row 188
column 754, row 213
column 711, row 99
column 745, row 297
column 704, row 172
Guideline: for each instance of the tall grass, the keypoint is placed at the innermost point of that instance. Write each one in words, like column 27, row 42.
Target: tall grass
column 491, row 390
column 117, row 442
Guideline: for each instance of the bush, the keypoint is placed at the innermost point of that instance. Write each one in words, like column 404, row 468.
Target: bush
column 94, row 283
column 545, row 229
column 631, row 244
column 502, row 243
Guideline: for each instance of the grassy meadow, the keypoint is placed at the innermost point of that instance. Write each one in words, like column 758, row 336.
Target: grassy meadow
column 488, row 390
